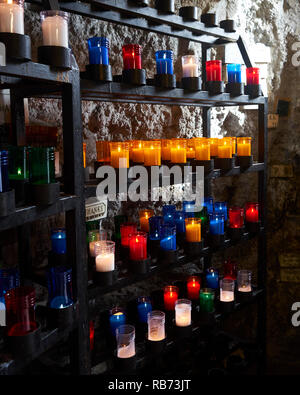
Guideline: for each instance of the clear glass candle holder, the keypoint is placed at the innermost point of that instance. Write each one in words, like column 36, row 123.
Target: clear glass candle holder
column 227, row 290
column 125, row 335
column 190, row 66
column 94, row 236
column 12, row 16
column 156, row 326
column 55, row 28
column 244, row 278
column 183, row 312
column 105, row 256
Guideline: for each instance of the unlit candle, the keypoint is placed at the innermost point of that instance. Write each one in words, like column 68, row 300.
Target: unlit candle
column 55, row 31
column 11, row 18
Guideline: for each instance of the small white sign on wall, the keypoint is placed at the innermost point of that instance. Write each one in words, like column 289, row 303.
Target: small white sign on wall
column 95, row 209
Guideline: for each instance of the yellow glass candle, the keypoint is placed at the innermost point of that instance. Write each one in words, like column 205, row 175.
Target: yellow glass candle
column 144, row 219
column 166, row 149
column 178, row 151
column 225, row 149
column 190, row 148
column 244, row 146
column 119, row 155
column 202, row 150
column 103, row 151
column 214, row 144
column 193, row 230
column 84, row 154
column 137, row 155
column 152, row 153
column 233, row 141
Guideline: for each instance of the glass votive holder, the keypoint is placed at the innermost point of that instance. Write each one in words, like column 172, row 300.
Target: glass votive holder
column 103, row 151
column 214, row 144
column 221, row 208
column 193, row 230
column 168, row 237
column 230, row 269
column 41, row 165
column 252, row 212
column 169, row 211
column 212, row 278
column 193, row 287
column 156, row 326
column 243, row 146
column 178, row 150
column 125, row 335
column 252, row 75
column 189, row 208
column 119, row 155
column 207, row 297
column 132, row 56
column 180, row 221
column 209, row 204
column 98, row 50
column 59, row 287
column 234, row 73
column 59, row 241
column 118, row 221
column 18, row 162
column 202, row 150
column 105, row 256
column 236, row 217
column 126, row 229
column 164, row 62
column 155, row 224
column 152, row 153
column 170, row 296
column 117, row 318
column 55, row 28
column 190, row 66
column 4, row 172
column 144, row 307
column 137, row 151
column 190, row 149
column 244, row 278
column 12, row 16
column 214, row 70
column 166, row 149
column 227, row 290
column 145, row 215
column 216, row 224
column 138, row 246
column 225, row 149
column 183, row 312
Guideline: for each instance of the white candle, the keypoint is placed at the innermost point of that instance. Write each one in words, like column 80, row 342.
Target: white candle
column 11, row 18
column 126, row 351
column 226, row 296
column 105, row 262
column 156, row 330
column 55, row 31
column 183, row 314
column 245, row 288
column 190, row 70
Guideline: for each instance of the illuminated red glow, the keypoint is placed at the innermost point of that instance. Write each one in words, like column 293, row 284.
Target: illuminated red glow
column 230, row 269
column 138, row 246
column 170, row 297
column 214, row 70
column 193, row 288
column 252, row 74
column 125, row 230
column 252, row 212
column 236, row 217
column 132, row 57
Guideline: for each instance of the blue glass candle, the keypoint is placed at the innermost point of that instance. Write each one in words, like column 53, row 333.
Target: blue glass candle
column 144, row 307
column 212, row 278
column 98, row 50
column 234, row 72
column 164, row 62
column 169, row 213
column 59, row 241
column 209, row 204
column 4, row 182
column 180, row 221
column 168, row 237
column 155, row 224
column 189, row 208
column 60, row 287
column 221, row 208
column 216, row 224
column 117, row 318
column 9, row 279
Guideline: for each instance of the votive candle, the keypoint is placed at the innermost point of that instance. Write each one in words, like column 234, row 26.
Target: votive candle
column 183, row 312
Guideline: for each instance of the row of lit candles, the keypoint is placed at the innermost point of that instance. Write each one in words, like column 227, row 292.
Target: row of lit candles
column 125, row 334
column 177, row 150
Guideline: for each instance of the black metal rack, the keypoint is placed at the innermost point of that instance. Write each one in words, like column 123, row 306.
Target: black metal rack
column 36, row 80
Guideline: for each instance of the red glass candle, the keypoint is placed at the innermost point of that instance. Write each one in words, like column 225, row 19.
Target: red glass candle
column 214, row 70
column 92, row 334
column 132, row 56
column 138, row 246
column 20, row 311
column 170, row 297
column 252, row 212
column 236, row 217
column 127, row 229
column 252, row 74
column 230, row 269
column 193, row 288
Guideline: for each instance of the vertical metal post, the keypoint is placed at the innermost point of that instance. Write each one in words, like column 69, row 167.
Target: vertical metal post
column 75, row 219
column 262, row 240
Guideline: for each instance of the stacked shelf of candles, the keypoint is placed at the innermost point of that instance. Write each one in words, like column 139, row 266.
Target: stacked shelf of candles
column 219, row 153
column 171, row 312
column 27, row 176
column 160, row 237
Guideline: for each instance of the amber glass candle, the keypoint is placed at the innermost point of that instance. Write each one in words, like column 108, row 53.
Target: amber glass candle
column 225, row 148
column 84, row 154
column 233, row 140
column 152, row 153
column 202, row 149
column 103, row 151
column 244, row 146
column 190, row 148
column 193, row 230
column 166, row 149
column 119, row 155
column 214, row 144
column 144, row 219
column 178, row 151
column 137, row 151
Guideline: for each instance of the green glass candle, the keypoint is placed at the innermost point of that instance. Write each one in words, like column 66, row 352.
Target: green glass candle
column 41, row 165
column 119, row 220
column 207, row 297
column 18, row 163
column 203, row 216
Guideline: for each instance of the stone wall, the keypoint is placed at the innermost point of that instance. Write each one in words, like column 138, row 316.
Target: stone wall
column 274, row 23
